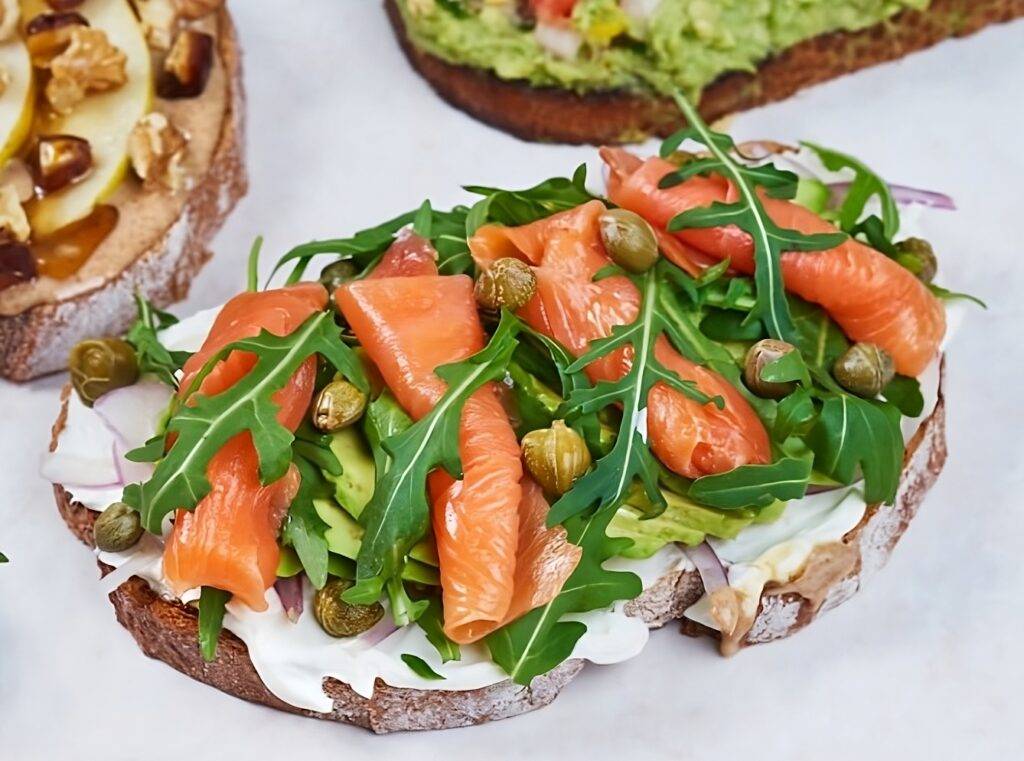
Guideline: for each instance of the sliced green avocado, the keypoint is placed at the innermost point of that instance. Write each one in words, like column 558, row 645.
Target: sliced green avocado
column 812, row 194
column 354, row 487
column 682, row 521
column 344, row 537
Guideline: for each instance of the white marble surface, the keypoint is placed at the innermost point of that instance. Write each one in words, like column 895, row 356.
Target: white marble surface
column 926, row 663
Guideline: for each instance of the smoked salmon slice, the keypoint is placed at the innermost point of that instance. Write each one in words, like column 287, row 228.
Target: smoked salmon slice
column 409, row 326
column 566, row 252
column 497, row 557
column 870, row 296
column 230, row 540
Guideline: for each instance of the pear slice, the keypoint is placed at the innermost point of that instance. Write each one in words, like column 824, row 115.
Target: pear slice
column 18, row 99
column 105, row 119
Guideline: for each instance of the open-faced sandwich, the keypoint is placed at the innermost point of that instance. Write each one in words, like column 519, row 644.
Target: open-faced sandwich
column 604, row 71
column 121, row 155
column 493, row 442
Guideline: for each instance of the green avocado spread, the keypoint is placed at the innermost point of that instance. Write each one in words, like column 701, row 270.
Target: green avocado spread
column 638, row 45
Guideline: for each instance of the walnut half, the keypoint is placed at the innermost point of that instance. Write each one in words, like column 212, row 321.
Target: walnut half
column 193, row 9
column 12, row 215
column 89, row 64
column 157, row 152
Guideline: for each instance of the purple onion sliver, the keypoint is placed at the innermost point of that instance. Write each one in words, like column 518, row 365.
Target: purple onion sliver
column 380, row 632
column 709, row 566
column 901, row 194
column 290, row 593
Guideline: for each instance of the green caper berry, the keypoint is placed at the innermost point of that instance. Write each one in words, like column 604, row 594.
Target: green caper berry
column 337, row 274
column 628, row 239
column 763, row 353
column 555, row 457
column 864, row 369
column 117, row 528
column 100, row 365
column 917, row 255
column 339, row 618
column 507, row 284
column 338, row 405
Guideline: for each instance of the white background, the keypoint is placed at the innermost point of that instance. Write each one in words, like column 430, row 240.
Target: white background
column 925, row 663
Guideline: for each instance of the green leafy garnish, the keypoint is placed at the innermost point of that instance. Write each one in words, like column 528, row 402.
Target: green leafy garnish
column 199, row 430
column 420, row 666
column 630, row 458
column 865, row 185
column 149, row 352
column 770, row 241
column 432, row 624
column 520, row 207
column 211, row 620
column 753, row 485
column 538, row 641
column 397, row 516
column 906, row 394
column 304, row 529
column 852, row 432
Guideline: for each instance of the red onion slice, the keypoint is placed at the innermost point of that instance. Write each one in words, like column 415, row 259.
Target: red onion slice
column 131, row 414
column 709, row 566
column 290, row 592
column 379, row 632
column 902, row 194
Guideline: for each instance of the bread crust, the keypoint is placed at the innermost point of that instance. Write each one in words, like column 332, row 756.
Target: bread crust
column 168, row 631
column 37, row 341
column 553, row 114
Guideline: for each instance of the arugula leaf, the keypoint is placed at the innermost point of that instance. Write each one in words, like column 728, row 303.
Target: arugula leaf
column 728, row 325
column 539, row 640
column 420, row 666
column 253, row 269
column 149, row 352
column 304, row 529
column 384, row 418
column 947, row 295
column 794, row 415
column 817, row 336
column 852, row 432
column 397, row 515
column 753, row 485
column 770, row 241
column 432, row 624
column 211, row 620
column 519, row 207
column 198, row 431
column 609, row 480
column 3, row 558
column 866, row 184
column 363, row 247
column 905, row 394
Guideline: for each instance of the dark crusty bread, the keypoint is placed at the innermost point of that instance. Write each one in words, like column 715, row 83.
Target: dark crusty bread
column 37, row 340
column 558, row 115
column 167, row 630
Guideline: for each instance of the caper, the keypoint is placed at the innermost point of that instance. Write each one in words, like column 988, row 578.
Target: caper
column 628, row 239
column 763, row 353
column 917, row 255
column 864, row 369
column 507, row 284
column 343, row 619
column 339, row 404
column 117, row 528
column 99, row 365
column 555, row 457
column 337, row 274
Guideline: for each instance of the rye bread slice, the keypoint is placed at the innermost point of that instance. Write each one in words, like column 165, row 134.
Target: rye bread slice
column 168, row 631
column 553, row 114
column 37, row 340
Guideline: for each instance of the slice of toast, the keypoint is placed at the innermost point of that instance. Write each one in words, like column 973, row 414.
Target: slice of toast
column 159, row 244
column 168, row 631
column 555, row 114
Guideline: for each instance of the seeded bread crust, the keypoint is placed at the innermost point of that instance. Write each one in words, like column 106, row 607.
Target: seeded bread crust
column 167, row 630
column 37, row 341
column 553, row 114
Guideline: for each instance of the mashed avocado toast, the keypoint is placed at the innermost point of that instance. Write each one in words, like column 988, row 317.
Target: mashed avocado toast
column 604, row 71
